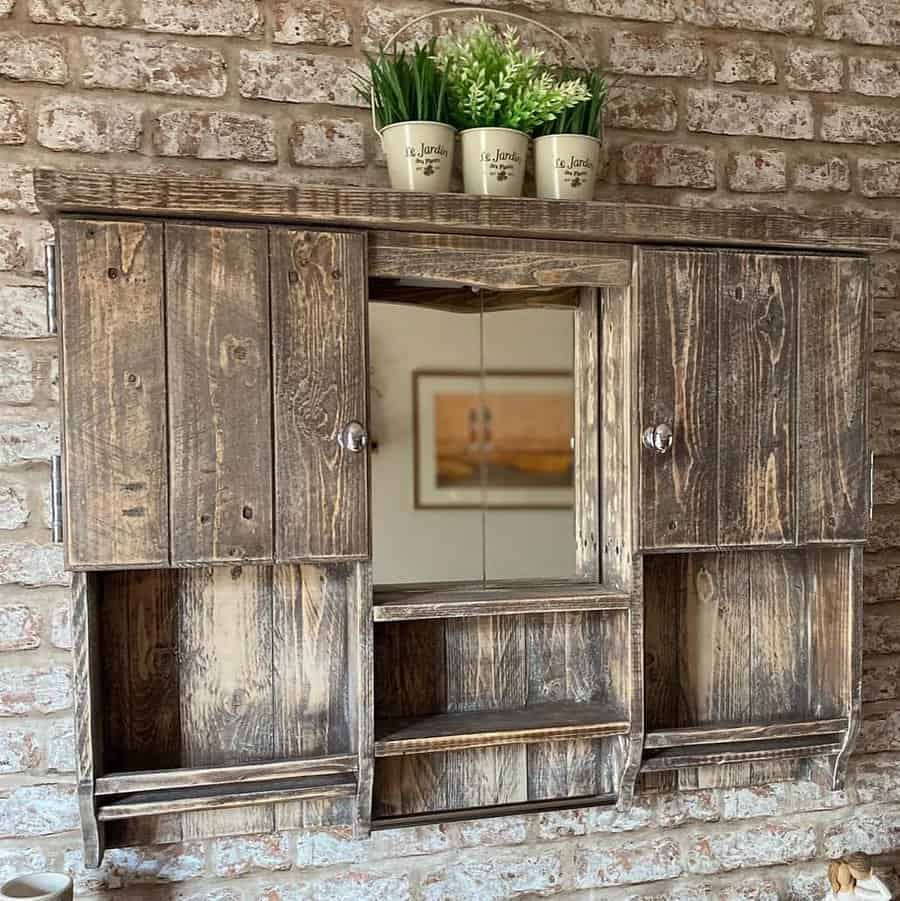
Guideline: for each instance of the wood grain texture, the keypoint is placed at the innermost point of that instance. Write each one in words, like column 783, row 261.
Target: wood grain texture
column 409, row 785
column 850, row 574
column 834, row 344
column 495, row 263
column 310, row 608
column 227, row 681
column 217, row 316
column 175, row 195
column 586, row 367
column 319, row 357
column 86, row 692
column 678, row 376
column 361, row 666
column 464, row 300
column 113, row 393
column 757, row 369
column 699, row 735
column 745, row 752
column 142, row 721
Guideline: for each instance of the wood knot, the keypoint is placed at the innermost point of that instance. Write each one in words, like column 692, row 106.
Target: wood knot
column 238, row 700
column 206, row 518
column 247, row 511
column 112, row 273
column 133, row 380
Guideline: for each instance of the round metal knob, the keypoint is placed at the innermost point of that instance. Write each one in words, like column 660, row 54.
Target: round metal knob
column 658, row 438
column 354, row 438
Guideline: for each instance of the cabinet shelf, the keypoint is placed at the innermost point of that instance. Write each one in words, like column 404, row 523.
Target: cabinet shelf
column 739, row 752
column 392, row 605
column 490, row 728
column 701, row 735
column 183, row 800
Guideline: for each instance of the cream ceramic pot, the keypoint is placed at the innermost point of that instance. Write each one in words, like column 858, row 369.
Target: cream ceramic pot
column 566, row 166
column 494, row 161
column 419, row 155
column 38, row 887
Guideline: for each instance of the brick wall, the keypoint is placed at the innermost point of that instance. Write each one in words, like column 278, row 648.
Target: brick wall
column 749, row 103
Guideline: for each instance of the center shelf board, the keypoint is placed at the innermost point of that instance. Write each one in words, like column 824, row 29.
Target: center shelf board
column 489, row 728
column 739, row 752
column 206, row 797
column 393, row 604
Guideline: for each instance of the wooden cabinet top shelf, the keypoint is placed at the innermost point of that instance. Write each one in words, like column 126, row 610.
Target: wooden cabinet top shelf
column 488, row 728
column 406, row 604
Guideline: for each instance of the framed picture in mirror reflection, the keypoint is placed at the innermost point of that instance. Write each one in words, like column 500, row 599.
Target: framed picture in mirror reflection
column 498, row 439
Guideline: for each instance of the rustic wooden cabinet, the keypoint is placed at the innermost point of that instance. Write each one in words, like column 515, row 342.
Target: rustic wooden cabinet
column 236, row 669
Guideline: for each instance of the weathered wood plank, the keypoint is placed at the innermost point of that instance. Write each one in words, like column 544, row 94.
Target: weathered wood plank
column 833, row 457
column 361, row 667
column 220, row 448
column 496, row 263
column 849, row 573
column 174, row 195
column 410, row 785
column 586, row 367
column 757, row 372
column 310, row 606
column 88, row 711
column 466, row 301
column 710, row 756
column 699, row 735
column 226, row 681
column 678, row 375
column 319, row 355
column 113, row 394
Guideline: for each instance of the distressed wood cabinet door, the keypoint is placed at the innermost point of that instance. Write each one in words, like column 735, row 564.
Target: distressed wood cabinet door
column 319, row 293
column 113, row 394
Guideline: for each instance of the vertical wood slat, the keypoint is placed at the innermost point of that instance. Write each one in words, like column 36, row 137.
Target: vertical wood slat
column 362, row 679
column 227, row 682
column 486, row 671
column 678, row 375
column 714, row 638
column 320, row 377
column 756, row 398
column 847, row 563
column 113, row 393
column 310, row 643
column 834, row 338
column 220, row 448
column 587, row 435
column 88, row 709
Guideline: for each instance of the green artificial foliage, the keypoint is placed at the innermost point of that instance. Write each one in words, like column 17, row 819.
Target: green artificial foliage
column 492, row 81
column 586, row 117
column 405, row 86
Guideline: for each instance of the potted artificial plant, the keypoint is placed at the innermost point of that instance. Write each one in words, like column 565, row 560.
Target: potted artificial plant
column 407, row 91
column 567, row 148
column 498, row 93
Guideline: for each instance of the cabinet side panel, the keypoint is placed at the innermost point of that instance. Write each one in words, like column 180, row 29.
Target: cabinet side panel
column 310, row 607
column 225, row 642
column 678, row 372
column 834, row 336
column 319, row 353
column 114, row 393
column 757, row 369
column 217, row 313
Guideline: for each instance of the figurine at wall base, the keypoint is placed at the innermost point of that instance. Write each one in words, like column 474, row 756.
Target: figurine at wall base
column 853, row 877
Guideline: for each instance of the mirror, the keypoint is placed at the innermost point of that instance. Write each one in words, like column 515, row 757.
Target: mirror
column 472, row 422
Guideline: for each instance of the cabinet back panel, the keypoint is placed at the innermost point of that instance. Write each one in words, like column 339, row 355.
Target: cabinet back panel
column 220, row 407
column 113, row 393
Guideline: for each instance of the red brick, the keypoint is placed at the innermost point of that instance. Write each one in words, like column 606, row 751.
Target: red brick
column 379, row 23
column 884, row 533
column 61, row 626
column 32, row 564
column 312, row 22
column 645, row 54
column 870, row 830
column 88, row 126
column 20, row 861
column 626, row 863
column 832, row 174
column 38, row 810
column 27, row 442
column 61, row 746
column 880, row 680
column 881, row 579
column 744, row 61
column 19, row 750
column 25, row 58
column 647, row 10
column 23, row 311
column 160, row 67
column 875, row 77
column 328, row 142
column 879, row 178
column 863, row 21
column 810, row 69
column 886, row 275
column 887, row 471
column 667, row 165
column 97, row 13
column 215, row 136
column 642, row 107
column 13, row 250
column 13, row 505
column 241, row 18
column 860, row 124
column 876, row 778
column 299, row 77
column 497, row 876
column 884, row 431
column 13, row 121
column 729, row 112
column 243, row 854
column 765, row 845
column 17, row 189
column 880, row 731
column 786, row 16
column 29, row 690
column 20, row 627
column 172, row 863
column 758, row 171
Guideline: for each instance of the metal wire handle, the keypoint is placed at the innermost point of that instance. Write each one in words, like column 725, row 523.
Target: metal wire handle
column 463, row 10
